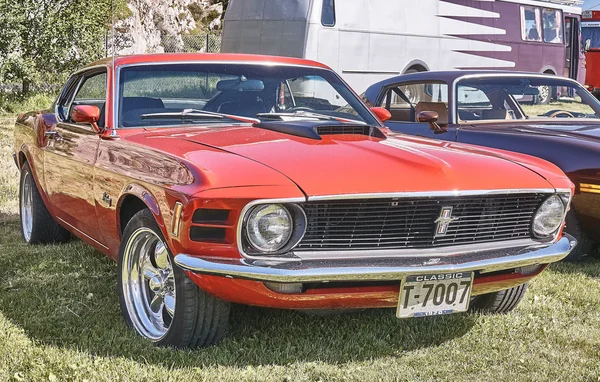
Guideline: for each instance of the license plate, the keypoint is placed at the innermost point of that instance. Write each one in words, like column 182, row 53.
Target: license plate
column 431, row 295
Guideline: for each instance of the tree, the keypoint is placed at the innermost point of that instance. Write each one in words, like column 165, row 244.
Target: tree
column 43, row 40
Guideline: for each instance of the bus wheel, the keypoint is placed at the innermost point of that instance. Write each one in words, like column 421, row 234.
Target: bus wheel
column 543, row 98
column 546, row 93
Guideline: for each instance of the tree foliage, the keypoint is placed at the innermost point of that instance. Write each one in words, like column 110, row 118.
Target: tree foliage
column 43, row 40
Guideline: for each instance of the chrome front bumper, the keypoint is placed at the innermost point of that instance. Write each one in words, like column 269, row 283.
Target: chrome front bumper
column 373, row 269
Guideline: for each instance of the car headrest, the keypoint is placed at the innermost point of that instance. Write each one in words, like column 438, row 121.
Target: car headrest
column 438, row 107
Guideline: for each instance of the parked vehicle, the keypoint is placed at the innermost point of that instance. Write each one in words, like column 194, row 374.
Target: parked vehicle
column 590, row 31
column 368, row 41
column 501, row 110
column 212, row 180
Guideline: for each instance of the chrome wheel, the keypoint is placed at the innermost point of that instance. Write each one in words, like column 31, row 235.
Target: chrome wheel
column 148, row 284
column 27, row 206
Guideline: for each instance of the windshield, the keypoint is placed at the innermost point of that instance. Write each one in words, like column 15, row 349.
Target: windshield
column 184, row 94
column 540, row 98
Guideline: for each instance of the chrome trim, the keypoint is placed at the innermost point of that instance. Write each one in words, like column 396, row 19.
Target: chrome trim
column 372, row 270
column 240, row 227
column 420, row 194
column 83, row 70
column 290, row 243
column 503, row 75
column 417, row 252
column 81, row 232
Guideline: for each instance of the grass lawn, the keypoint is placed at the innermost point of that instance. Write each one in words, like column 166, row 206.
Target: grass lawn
column 59, row 320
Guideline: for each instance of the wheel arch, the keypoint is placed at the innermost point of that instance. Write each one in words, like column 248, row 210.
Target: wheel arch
column 416, row 65
column 134, row 199
column 23, row 156
column 549, row 69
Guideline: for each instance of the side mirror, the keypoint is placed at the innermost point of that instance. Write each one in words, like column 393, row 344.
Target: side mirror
column 588, row 44
column 382, row 113
column 431, row 117
column 86, row 114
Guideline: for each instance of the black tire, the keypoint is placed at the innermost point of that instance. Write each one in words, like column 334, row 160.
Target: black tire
column 499, row 302
column 199, row 319
column 584, row 242
column 44, row 229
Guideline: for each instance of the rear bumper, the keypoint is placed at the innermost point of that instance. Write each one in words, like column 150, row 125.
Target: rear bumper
column 376, row 269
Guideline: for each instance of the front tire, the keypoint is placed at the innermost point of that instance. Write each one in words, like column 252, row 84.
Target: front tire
column 499, row 302
column 157, row 299
column 37, row 225
column 584, row 242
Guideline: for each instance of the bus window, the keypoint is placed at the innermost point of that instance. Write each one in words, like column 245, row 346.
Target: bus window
column 328, row 13
column 530, row 24
column 553, row 26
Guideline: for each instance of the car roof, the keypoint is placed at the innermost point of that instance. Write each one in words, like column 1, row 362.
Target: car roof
column 203, row 57
column 449, row 76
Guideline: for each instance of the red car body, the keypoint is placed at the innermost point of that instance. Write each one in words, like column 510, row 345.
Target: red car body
column 92, row 183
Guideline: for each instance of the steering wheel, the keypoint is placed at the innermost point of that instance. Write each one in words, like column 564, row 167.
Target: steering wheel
column 300, row 108
column 560, row 114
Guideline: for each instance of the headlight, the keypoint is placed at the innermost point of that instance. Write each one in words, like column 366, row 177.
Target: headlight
column 548, row 217
column 269, row 227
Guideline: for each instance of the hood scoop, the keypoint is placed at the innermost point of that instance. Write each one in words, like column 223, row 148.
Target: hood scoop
column 317, row 129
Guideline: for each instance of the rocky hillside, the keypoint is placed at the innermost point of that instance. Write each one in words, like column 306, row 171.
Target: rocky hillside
column 155, row 26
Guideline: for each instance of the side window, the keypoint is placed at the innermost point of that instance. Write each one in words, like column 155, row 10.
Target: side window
column 328, row 13
column 91, row 92
column 474, row 105
column 402, row 101
column 530, row 24
column 64, row 101
column 553, row 25
column 92, row 89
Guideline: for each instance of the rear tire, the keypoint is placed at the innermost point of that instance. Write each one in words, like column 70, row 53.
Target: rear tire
column 499, row 302
column 157, row 298
column 584, row 242
column 37, row 225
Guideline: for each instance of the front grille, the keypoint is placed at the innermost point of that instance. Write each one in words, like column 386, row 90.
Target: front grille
column 410, row 223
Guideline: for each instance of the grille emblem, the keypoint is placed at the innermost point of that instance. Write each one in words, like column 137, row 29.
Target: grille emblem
column 444, row 221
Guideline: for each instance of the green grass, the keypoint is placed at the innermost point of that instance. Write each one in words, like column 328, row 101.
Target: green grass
column 12, row 105
column 59, row 320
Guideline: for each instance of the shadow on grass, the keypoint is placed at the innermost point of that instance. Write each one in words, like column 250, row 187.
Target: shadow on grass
column 588, row 266
column 65, row 296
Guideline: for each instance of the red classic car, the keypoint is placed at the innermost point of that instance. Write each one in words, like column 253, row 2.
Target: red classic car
column 218, row 179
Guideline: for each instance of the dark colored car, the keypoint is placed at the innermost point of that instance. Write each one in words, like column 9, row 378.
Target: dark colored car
column 510, row 111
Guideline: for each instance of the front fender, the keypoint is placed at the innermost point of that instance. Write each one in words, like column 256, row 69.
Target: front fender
column 143, row 194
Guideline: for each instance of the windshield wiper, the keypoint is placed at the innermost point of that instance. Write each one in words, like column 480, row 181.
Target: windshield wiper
column 307, row 114
column 191, row 114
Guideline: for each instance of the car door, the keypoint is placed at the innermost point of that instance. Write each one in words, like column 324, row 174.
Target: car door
column 405, row 101
column 70, row 156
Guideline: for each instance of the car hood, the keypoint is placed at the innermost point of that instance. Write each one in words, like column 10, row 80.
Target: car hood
column 576, row 129
column 357, row 164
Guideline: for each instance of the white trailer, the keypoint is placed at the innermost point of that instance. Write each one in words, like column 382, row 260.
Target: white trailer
column 370, row 40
